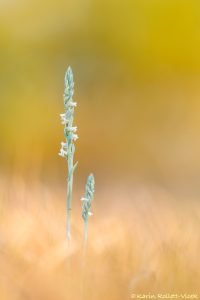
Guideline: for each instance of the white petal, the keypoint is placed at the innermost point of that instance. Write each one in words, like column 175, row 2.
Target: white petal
column 74, row 137
column 60, row 154
column 71, row 103
column 84, row 199
column 72, row 129
column 63, row 145
column 64, row 119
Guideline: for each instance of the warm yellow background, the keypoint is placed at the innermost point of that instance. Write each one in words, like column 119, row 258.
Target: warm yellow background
column 136, row 66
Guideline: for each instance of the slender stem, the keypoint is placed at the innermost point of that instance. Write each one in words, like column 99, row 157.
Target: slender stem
column 85, row 230
column 84, row 253
column 69, row 193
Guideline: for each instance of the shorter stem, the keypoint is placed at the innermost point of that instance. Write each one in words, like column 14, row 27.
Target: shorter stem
column 85, row 230
column 68, row 224
column 83, row 269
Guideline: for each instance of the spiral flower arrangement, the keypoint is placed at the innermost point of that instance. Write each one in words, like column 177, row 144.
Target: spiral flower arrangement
column 68, row 148
column 87, row 201
column 67, row 151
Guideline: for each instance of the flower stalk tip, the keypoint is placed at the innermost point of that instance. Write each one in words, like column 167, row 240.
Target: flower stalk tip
column 86, row 202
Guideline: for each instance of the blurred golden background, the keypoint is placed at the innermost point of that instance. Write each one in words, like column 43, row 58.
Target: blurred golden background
column 136, row 68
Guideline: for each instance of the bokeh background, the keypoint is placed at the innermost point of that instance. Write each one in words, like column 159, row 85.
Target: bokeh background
column 136, row 68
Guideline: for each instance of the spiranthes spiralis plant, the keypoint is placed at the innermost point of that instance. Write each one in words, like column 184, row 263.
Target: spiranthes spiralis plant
column 87, row 201
column 86, row 213
column 68, row 148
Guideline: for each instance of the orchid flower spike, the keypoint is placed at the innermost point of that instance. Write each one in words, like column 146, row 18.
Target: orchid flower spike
column 68, row 148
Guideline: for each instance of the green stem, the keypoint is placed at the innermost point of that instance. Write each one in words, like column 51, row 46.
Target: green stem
column 69, row 193
column 85, row 230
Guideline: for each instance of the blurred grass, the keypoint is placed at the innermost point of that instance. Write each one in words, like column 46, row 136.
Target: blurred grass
column 141, row 240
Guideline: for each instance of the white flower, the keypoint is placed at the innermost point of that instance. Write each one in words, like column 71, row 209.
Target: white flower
column 64, row 119
column 72, row 104
column 62, row 152
column 74, row 136
column 90, row 213
column 63, row 145
column 72, row 129
column 84, row 199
